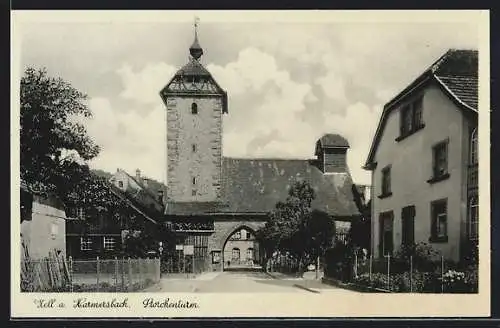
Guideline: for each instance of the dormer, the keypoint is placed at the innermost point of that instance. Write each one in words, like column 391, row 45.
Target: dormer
column 331, row 153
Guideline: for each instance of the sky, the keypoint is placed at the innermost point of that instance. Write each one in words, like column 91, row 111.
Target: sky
column 288, row 82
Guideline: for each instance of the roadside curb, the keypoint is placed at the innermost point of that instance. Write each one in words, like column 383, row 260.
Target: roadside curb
column 295, row 285
column 271, row 275
column 285, row 277
column 308, row 289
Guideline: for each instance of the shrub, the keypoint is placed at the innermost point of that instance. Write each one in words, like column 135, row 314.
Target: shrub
column 423, row 256
column 378, row 280
column 420, row 282
column 454, row 282
column 471, row 279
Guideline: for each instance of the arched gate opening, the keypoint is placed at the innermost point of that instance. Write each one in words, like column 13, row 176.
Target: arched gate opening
column 241, row 250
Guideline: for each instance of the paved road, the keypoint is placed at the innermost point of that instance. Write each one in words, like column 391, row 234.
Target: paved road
column 239, row 282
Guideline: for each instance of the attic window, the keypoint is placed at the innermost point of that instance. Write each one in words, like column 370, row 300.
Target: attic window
column 193, row 148
column 120, row 184
column 194, row 108
column 411, row 118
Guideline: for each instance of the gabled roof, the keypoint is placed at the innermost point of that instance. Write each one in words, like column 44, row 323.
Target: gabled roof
column 456, row 73
column 254, row 186
column 147, row 213
column 330, row 141
column 146, row 195
column 333, row 140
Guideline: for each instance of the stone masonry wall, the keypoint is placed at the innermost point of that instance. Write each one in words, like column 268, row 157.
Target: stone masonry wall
column 203, row 131
column 224, row 229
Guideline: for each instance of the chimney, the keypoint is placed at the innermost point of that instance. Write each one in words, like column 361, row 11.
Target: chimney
column 331, row 152
column 138, row 175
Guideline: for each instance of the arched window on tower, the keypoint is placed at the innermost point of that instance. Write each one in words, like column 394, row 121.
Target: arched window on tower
column 473, row 147
column 194, row 108
column 473, row 218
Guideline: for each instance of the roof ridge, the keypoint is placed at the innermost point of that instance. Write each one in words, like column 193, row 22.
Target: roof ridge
column 435, row 66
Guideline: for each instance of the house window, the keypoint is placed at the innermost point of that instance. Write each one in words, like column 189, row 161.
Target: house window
column 85, row 243
column 235, row 255
column 194, row 180
column 439, row 217
column 120, row 184
column 250, row 254
column 411, row 117
column 386, row 244
column 386, row 181
column 473, row 148
column 473, row 218
column 243, row 234
column 407, row 125
column 193, row 148
column 109, row 243
column 193, row 192
column 194, row 108
column 408, row 225
column 417, row 113
column 440, row 160
column 80, row 213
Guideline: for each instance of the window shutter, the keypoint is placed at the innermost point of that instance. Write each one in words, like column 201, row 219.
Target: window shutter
column 433, row 221
column 381, row 235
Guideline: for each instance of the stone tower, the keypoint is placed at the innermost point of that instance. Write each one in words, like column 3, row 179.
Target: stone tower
column 195, row 104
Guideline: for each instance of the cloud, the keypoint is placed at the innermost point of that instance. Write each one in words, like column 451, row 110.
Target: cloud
column 128, row 140
column 264, row 106
column 144, row 86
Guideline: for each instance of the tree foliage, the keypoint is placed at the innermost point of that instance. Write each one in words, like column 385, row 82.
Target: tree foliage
column 295, row 229
column 50, row 134
column 138, row 243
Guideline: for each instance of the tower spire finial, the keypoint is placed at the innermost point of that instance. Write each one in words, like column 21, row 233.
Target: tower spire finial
column 195, row 50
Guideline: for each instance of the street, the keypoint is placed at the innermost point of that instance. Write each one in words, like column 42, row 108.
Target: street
column 240, row 282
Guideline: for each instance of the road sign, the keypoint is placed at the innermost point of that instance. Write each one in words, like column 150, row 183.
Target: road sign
column 188, row 249
column 179, row 247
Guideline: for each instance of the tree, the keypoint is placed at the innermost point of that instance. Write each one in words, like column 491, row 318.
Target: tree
column 139, row 242
column 51, row 138
column 295, row 229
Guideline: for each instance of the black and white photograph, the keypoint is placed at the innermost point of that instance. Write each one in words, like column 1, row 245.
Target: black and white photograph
column 217, row 154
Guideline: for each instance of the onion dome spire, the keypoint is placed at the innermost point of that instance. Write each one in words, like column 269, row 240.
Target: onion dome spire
column 196, row 50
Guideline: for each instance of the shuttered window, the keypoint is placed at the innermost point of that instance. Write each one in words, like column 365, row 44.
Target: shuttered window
column 408, row 225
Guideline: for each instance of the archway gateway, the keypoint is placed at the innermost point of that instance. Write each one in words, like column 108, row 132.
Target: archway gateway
column 241, row 250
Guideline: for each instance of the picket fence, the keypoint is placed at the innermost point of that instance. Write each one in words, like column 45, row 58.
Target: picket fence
column 94, row 275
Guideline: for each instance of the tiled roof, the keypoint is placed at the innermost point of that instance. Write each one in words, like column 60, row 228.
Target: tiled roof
column 148, row 213
column 333, row 140
column 256, row 185
column 194, row 67
column 457, row 71
column 464, row 88
column 147, row 195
